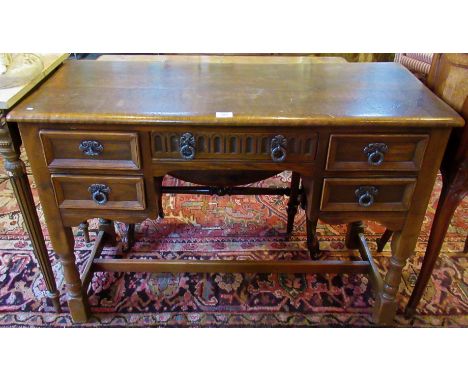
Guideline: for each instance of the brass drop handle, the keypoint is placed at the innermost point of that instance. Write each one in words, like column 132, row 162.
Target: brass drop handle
column 99, row 193
column 278, row 148
column 365, row 195
column 375, row 153
column 91, row 148
column 187, row 146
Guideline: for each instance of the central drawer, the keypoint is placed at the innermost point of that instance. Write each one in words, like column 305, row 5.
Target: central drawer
column 206, row 144
column 99, row 192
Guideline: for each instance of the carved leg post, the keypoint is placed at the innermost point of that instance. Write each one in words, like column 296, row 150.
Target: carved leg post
column 84, row 227
column 465, row 249
column 386, row 304
column 19, row 180
column 63, row 242
column 450, row 197
column 383, row 240
column 293, row 201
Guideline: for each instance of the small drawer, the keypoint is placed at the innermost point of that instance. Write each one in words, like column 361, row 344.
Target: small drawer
column 99, row 192
column 377, row 152
column 344, row 194
column 208, row 144
column 90, row 149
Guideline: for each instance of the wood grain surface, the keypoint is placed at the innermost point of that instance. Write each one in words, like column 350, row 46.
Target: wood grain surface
column 306, row 94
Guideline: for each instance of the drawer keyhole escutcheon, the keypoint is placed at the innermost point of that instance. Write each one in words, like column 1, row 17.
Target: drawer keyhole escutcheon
column 91, row 148
column 278, row 148
column 99, row 193
column 187, row 146
column 375, row 153
column 365, row 195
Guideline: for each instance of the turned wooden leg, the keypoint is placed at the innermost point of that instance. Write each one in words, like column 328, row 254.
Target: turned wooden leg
column 107, row 226
column 61, row 236
column 312, row 240
column 63, row 242
column 465, row 250
column 293, row 201
column 309, row 199
column 19, row 180
column 386, row 304
column 128, row 237
column 84, row 227
column 352, row 234
column 449, row 199
column 383, row 240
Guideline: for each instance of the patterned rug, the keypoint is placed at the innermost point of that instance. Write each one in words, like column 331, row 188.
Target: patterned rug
column 242, row 227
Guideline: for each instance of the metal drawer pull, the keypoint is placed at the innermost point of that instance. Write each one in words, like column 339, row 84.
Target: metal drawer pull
column 278, row 148
column 187, row 146
column 99, row 193
column 375, row 153
column 365, row 195
column 91, row 148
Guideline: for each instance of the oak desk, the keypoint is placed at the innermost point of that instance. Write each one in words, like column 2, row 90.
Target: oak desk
column 366, row 140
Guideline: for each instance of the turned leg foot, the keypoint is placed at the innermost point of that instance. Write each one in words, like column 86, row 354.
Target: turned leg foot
column 293, row 201
column 409, row 312
column 54, row 300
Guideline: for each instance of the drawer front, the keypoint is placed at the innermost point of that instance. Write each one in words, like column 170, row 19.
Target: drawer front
column 99, row 192
column 376, row 152
column 88, row 149
column 340, row 194
column 199, row 144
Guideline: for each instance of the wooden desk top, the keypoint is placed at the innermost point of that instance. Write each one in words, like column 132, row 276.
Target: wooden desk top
column 256, row 94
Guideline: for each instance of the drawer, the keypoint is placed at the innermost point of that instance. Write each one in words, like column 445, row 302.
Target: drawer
column 90, row 149
column 206, row 144
column 99, row 192
column 376, row 152
column 340, row 194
